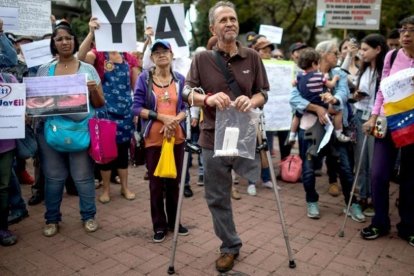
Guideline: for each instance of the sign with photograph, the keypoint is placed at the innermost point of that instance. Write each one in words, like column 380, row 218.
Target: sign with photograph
column 56, row 95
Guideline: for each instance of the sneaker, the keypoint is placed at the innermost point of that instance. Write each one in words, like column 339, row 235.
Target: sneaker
column 25, row 178
column 200, row 181
column 411, row 240
column 269, row 185
column 369, row 210
column 50, row 229
column 313, row 210
column 251, row 190
column 90, row 225
column 342, row 138
column 355, row 212
column 182, row 231
column 187, row 191
column 333, row 189
column 235, row 193
column 371, row 232
column 7, row 238
column 159, row 236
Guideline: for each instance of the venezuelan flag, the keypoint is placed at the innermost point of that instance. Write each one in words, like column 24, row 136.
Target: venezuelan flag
column 401, row 126
column 393, row 108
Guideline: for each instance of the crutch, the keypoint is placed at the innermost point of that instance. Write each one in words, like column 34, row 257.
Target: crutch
column 264, row 147
column 189, row 148
column 364, row 142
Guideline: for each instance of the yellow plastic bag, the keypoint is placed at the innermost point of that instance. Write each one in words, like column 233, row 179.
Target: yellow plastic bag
column 166, row 165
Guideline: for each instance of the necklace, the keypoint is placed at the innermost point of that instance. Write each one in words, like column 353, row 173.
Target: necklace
column 166, row 95
column 66, row 64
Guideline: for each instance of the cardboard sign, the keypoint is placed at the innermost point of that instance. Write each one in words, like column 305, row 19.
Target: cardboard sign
column 280, row 74
column 345, row 14
column 117, row 25
column 12, row 109
column 168, row 22
column 33, row 16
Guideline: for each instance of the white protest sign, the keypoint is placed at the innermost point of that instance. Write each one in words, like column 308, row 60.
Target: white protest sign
column 12, row 110
column 37, row 53
column 398, row 86
column 272, row 33
column 117, row 25
column 277, row 110
column 10, row 17
column 168, row 22
column 346, row 14
column 34, row 16
column 57, row 95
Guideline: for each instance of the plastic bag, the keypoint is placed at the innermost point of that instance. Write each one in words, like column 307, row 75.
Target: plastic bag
column 236, row 132
column 166, row 165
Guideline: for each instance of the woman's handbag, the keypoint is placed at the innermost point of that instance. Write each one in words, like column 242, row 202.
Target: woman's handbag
column 291, row 168
column 103, row 147
column 380, row 128
column 27, row 147
column 65, row 135
column 166, row 165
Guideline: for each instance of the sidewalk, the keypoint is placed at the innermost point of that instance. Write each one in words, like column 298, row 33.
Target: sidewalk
column 123, row 244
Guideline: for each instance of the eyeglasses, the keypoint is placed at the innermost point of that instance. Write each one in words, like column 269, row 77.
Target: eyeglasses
column 160, row 52
column 404, row 30
column 63, row 38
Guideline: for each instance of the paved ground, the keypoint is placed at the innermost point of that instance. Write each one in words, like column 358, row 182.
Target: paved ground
column 123, row 246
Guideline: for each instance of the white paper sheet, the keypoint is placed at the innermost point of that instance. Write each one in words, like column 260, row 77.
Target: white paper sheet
column 328, row 133
column 37, row 53
column 10, row 17
column 273, row 34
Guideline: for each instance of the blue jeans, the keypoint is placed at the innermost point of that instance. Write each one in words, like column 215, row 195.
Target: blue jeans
column 309, row 164
column 56, row 168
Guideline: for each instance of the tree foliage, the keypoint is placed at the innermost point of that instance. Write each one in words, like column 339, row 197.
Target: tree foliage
column 296, row 17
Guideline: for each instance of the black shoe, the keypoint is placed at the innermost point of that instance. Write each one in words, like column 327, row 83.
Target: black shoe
column 159, row 236
column 200, row 181
column 182, row 231
column 371, row 232
column 17, row 216
column 7, row 238
column 35, row 199
column 187, row 191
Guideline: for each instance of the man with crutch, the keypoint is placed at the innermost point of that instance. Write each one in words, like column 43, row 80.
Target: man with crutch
column 248, row 71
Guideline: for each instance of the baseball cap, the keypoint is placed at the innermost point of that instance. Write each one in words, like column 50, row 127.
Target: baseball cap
column 250, row 36
column 161, row 42
column 263, row 43
column 297, row 46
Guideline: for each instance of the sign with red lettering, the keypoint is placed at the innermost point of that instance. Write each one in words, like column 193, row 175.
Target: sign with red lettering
column 12, row 110
column 348, row 14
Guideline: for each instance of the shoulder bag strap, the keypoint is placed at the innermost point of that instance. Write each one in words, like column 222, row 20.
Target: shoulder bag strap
column 231, row 81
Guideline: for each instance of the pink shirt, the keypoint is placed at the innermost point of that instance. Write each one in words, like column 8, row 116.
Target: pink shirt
column 402, row 61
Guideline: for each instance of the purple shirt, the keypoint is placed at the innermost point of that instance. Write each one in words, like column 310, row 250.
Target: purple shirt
column 402, row 61
column 7, row 145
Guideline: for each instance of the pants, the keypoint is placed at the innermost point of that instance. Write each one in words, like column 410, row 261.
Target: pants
column 16, row 201
column 6, row 162
column 158, row 185
column 217, row 187
column 384, row 158
column 309, row 165
column 56, row 168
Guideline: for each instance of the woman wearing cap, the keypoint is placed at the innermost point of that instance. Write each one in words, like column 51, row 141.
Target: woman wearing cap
column 118, row 72
column 162, row 111
column 58, row 165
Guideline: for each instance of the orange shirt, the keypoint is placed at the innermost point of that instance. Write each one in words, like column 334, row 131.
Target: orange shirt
column 167, row 105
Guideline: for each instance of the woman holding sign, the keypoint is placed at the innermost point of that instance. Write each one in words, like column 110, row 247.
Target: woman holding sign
column 400, row 134
column 57, row 164
column 118, row 72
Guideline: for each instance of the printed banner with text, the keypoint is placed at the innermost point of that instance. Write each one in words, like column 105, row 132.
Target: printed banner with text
column 12, row 109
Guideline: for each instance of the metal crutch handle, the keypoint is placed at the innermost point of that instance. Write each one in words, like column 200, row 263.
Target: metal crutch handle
column 263, row 146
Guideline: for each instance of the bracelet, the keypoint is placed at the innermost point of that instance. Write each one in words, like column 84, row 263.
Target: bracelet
column 152, row 115
column 205, row 99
